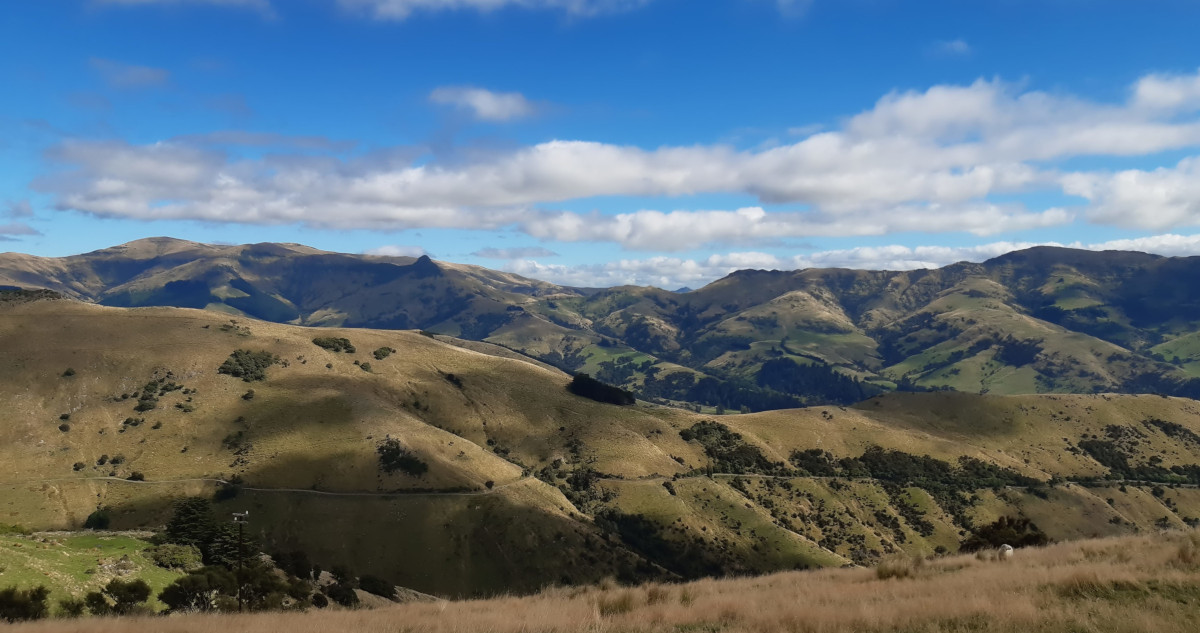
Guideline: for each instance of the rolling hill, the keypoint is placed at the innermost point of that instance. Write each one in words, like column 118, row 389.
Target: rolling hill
column 1044, row 320
column 512, row 483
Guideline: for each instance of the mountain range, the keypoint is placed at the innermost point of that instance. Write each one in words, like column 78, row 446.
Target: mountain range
column 1042, row 320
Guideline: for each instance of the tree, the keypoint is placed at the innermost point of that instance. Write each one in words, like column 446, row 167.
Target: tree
column 198, row 591
column 98, row 520
column 127, row 595
column 342, row 594
column 378, row 586
column 19, row 605
column 192, row 523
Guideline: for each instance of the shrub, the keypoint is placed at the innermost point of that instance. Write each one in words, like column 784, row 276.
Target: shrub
column 19, row 605
column 320, row 601
column 342, row 594
column 199, row 590
column 247, row 365
column 173, row 556
column 102, row 460
column 393, row 456
column 383, row 353
column 78, row 466
column 249, row 395
column 72, row 607
column 365, row 367
column 378, row 586
column 1018, row 532
column 127, row 595
column 98, row 520
column 588, row 387
column 64, row 427
column 136, row 476
column 335, row 344
column 68, row 373
column 64, row 417
column 117, row 460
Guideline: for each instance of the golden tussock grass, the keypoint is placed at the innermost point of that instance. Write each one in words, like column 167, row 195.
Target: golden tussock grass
column 1143, row 583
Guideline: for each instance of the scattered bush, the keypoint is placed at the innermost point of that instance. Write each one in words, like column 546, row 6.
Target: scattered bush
column 365, row 367
column 68, row 373
column 383, row 353
column 247, row 365
column 335, row 344
column 20, row 605
column 79, row 466
column 320, row 601
column 249, row 395
column 136, row 476
column 64, row 417
column 393, row 456
column 64, row 427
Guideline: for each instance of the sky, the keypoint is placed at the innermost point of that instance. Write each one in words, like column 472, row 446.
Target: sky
column 605, row 142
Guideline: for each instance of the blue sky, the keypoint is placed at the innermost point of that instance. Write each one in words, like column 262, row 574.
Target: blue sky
column 602, row 142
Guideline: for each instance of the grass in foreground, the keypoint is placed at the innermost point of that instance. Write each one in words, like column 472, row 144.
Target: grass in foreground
column 1144, row 583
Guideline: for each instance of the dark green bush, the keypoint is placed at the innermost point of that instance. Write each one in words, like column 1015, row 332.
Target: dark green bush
column 342, row 594
column 378, row 586
column 247, row 365
column 393, row 456
column 72, row 607
column 20, row 605
column 383, row 353
column 335, row 344
column 173, row 556
column 588, row 387
column 98, row 520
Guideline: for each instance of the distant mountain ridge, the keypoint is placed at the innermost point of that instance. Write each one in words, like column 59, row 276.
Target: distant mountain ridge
column 1044, row 319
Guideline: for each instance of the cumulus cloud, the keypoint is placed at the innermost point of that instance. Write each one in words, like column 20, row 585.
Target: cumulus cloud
column 1164, row 198
column 397, row 250
column 119, row 75
column 514, row 253
column 484, row 105
column 673, row 272
column 916, row 161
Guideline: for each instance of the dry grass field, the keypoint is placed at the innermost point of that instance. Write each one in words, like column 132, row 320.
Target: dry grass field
column 1140, row 583
column 306, row 446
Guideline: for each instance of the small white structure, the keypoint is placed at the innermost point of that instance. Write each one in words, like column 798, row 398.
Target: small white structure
column 1005, row 552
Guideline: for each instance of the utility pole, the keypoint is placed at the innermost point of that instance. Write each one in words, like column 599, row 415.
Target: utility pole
column 240, row 518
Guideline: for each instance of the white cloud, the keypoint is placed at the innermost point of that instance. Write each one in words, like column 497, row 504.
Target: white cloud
column 17, row 228
column 119, row 75
column 1160, row 199
column 672, row 272
column 484, row 104
column 928, row 161
column 396, row 250
column 952, row 48
column 401, row 9
column 1167, row 92
column 514, row 253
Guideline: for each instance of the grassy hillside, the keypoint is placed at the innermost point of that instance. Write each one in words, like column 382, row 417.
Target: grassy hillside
column 525, row 484
column 1127, row 584
column 1044, row 320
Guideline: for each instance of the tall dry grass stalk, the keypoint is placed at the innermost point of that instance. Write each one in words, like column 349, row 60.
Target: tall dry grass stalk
column 1131, row 584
